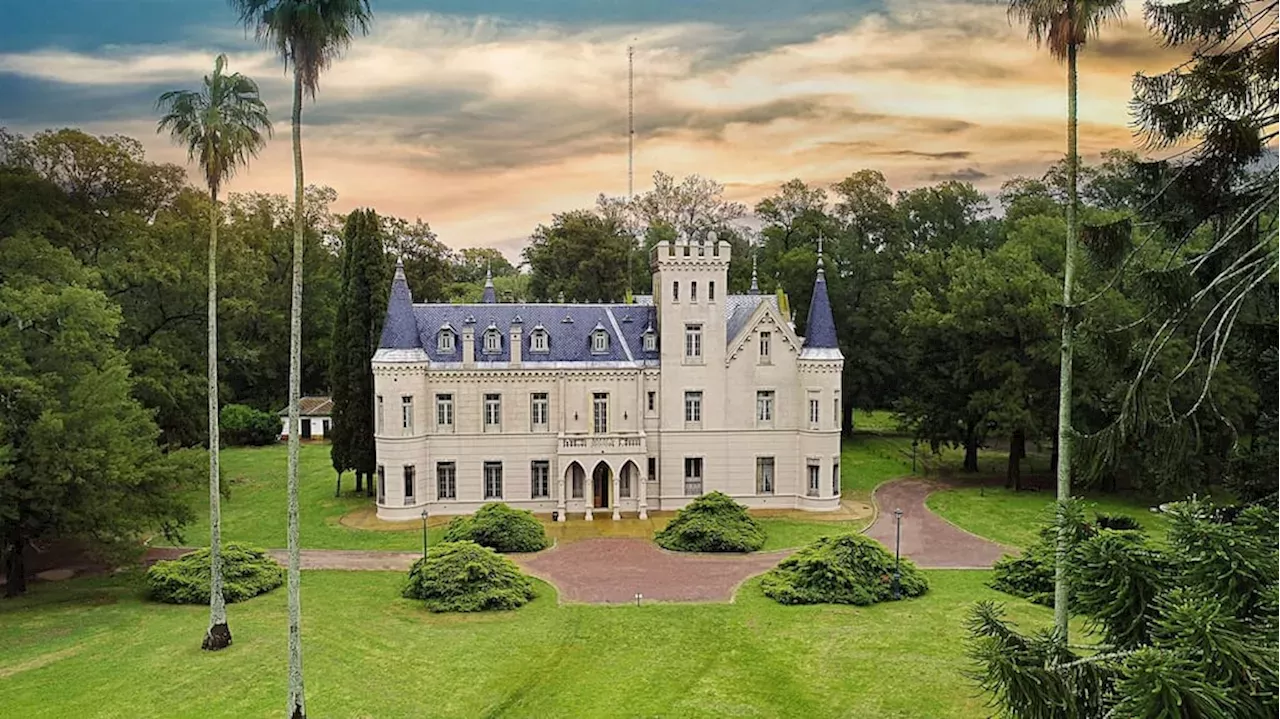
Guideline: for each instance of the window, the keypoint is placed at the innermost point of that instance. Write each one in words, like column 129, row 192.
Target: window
column 538, row 341
column 692, row 406
column 624, row 484
column 382, row 484
column 493, row 480
column 813, row 411
column 692, row 476
column 835, row 417
column 815, row 472
column 693, row 341
column 764, row 475
column 492, row 341
column 650, row 341
column 653, row 469
column 445, row 343
column 410, row 479
column 693, row 291
column 444, row 411
column 406, row 415
column 538, row 410
column 652, row 399
column 766, row 339
column 599, row 342
column 711, row 291
column 600, row 412
column 381, row 418
column 675, row 291
column 492, row 410
column 446, row 480
column 540, row 474
column 764, row 406
column 835, row 477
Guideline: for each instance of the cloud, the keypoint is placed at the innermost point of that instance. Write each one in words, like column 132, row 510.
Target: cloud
column 964, row 174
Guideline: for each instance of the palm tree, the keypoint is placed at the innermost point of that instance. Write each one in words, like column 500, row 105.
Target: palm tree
column 223, row 126
column 1064, row 26
column 308, row 35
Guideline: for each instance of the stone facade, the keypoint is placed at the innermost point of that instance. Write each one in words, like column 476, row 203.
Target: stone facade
column 609, row 409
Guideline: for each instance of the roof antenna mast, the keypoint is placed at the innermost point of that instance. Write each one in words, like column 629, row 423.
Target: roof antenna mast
column 631, row 120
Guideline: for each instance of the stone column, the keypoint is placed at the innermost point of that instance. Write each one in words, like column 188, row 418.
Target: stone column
column 562, row 490
column 617, row 483
column 589, row 498
column 644, row 495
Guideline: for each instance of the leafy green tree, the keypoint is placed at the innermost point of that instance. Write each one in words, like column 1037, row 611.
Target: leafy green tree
column 474, row 264
column 308, row 35
column 355, row 338
column 428, row 265
column 1064, row 26
column 580, row 255
column 78, row 454
column 223, row 126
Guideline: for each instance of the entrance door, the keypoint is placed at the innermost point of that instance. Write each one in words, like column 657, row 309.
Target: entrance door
column 306, row 429
column 601, row 478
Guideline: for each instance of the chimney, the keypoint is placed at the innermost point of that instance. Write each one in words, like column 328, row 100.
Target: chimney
column 517, row 347
column 468, row 346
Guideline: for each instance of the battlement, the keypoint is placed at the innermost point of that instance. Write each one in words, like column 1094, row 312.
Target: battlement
column 685, row 250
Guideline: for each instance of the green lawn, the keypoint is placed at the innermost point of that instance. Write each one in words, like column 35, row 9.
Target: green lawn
column 92, row 647
column 1013, row 518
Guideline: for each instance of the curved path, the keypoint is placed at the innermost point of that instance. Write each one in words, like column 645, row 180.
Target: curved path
column 927, row 539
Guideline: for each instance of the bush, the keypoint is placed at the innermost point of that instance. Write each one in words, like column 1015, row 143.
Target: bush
column 466, row 577
column 241, row 425
column 500, row 528
column 712, row 523
column 843, row 569
column 246, row 573
column 1117, row 521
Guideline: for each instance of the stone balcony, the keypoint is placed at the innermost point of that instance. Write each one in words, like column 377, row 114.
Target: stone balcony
column 594, row 445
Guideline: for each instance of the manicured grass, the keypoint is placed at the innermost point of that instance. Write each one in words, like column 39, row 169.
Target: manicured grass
column 1014, row 518
column 92, row 647
column 788, row 533
column 874, row 420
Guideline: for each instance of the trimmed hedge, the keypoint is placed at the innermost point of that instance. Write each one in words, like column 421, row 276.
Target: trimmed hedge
column 240, row 425
column 712, row 523
column 499, row 528
column 842, row 569
column 246, row 573
column 466, row 577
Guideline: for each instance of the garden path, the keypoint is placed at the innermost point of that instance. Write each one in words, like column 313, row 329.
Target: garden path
column 927, row 539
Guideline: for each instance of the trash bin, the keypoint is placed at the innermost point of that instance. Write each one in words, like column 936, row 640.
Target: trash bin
column 555, row 516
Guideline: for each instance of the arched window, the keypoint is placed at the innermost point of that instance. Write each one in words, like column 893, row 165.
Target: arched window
column 599, row 342
column 650, row 341
column 538, row 341
column 492, row 341
column 445, row 342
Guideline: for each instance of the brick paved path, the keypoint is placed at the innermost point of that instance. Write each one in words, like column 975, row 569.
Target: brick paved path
column 927, row 539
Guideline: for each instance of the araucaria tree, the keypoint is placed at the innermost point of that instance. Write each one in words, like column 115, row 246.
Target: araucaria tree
column 222, row 125
column 1064, row 26
column 308, row 35
column 356, row 330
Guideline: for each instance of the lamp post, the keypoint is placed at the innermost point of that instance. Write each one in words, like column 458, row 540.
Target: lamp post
column 897, row 556
column 424, row 534
column 915, row 444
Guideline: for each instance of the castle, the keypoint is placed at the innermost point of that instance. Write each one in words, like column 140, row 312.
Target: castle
column 609, row 409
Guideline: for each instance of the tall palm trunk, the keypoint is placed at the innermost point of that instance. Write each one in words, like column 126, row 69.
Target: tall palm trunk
column 219, row 634
column 297, row 702
column 1064, row 383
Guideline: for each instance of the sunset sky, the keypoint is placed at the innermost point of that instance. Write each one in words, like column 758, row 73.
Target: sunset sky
column 485, row 117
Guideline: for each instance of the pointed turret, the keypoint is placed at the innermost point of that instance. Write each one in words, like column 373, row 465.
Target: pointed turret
column 490, row 295
column 820, row 328
column 755, row 284
column 400, row 329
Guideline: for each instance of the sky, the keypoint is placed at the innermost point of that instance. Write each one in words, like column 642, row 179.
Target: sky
column 484, row 118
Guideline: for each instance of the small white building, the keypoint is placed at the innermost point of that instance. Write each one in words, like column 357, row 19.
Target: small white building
column 609, row 408
column 314, row 412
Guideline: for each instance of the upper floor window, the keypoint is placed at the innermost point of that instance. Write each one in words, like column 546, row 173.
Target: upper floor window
column 764, row 406
column 380, row 419
column 813, row 411
column 652, row 399
column 766, row 348
column 444, row 410
column 711, row 291
column 675, row 291
column 650, row 341
column 538, row 410
column 492, row 341
column 538, row 341
column 693, row 291
column 446, row 341
column 600, row 412
column 599, row 342
column 492, row 410
column 693, row 341
column 406, row 414
column 693, row 406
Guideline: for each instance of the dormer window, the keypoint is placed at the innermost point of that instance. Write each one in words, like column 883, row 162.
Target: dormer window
column 538, row 340
column 446, row 341
column 492, row 340
column 650, row 341
column 599, row 342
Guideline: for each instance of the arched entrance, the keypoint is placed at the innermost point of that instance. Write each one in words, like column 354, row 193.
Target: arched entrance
column 629, row 481
column 601, row 478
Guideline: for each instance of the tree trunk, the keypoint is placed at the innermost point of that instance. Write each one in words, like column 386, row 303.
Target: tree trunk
column 1017, row 450
column 219, row 634
column 1060, row 613
column 971, row 450
column 359, row 483
column 368, row 484
column 297, row 701
column 846, row 422
column 1053, row 456
column 15, row 567
column 337, row 492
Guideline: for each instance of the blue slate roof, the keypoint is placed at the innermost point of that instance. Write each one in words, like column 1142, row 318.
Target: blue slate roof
column 400, row 328
column 820, row 329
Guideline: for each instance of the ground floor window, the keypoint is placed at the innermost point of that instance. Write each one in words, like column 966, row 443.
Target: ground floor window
column 692, row 476
column 540, row 472
column 835, row 478
column 382, row 484
column 764, row 475
column 410, row 479
column 493, row 480
column 446, row 480
column 815, row 473
column 653, row 469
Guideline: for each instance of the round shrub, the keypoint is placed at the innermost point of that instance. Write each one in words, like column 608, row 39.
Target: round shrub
column 241, row 425
column 466, row 577
column 712, row 523
column 844, row 569
column 500, row 528
column 246, row 573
